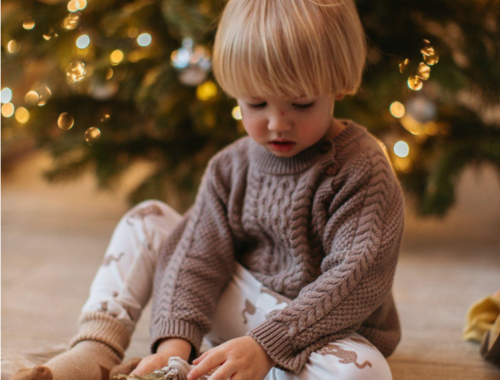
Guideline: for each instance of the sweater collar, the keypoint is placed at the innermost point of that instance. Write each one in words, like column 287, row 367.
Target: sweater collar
column 267, row 162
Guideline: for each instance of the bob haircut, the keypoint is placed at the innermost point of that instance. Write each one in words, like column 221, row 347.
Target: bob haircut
column 289, row 48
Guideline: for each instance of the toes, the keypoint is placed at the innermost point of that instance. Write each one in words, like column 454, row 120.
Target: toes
column 36, row 373
column 124, row 368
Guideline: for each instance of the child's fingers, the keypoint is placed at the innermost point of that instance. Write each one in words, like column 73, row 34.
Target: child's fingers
column 209, row 362
column 197, row 360
column 224, row 372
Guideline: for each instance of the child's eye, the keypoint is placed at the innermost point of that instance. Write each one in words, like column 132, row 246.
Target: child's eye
column 302, row 106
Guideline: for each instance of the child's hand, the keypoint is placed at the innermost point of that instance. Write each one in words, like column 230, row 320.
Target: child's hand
column 166, row 349
column 242, row 358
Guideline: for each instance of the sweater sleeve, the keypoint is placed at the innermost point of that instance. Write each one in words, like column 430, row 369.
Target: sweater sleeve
column 361, row 241
column 193, row 267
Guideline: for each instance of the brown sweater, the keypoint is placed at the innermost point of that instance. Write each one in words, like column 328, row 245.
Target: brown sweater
column 322, row 228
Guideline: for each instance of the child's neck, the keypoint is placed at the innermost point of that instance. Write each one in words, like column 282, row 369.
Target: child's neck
column 335, row 128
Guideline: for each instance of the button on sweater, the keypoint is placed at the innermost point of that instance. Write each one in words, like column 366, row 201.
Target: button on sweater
column 322, row 228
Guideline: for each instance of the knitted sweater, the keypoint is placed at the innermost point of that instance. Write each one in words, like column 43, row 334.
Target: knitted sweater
column 322, row 228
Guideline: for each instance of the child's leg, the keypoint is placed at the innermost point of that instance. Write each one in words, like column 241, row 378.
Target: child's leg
column 119, row 292
column 245, row 303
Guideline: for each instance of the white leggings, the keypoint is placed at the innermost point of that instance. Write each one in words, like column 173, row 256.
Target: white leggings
column 122, row 287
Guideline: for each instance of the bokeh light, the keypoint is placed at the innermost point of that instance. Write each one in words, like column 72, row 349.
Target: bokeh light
column 6, row 95
column 397, row 109
column 8, row 110
column 65, row 121
column 236, row 113
column 116, row 57
column 22, row 115
column 401, row 149
column 28, row 23
column 206, row 90
column 83, row 41
column 92, row 134
column 144, row 39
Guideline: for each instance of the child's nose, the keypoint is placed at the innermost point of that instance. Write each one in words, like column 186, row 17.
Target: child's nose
column 279, row 123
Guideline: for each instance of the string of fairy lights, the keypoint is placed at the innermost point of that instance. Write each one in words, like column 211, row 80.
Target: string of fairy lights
column 192, row 63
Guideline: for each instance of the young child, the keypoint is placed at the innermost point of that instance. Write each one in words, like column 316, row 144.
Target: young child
column 286, row 260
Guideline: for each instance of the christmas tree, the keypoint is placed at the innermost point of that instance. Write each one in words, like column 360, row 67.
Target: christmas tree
column 103, row 84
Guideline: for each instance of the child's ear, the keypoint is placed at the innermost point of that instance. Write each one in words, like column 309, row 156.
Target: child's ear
column 339, row 97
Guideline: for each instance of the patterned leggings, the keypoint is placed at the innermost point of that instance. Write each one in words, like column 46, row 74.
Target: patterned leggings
column 123, row 283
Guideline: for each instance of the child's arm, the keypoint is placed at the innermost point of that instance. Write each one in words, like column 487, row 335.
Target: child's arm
column 361, row 240
column 196, row 263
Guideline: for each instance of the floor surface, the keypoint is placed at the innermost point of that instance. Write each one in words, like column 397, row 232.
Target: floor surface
column 54, row 236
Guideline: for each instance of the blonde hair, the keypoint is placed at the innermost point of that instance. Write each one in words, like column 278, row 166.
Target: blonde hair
column 289, row 48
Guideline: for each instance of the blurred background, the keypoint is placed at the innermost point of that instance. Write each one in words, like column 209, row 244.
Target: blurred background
column 108, row 103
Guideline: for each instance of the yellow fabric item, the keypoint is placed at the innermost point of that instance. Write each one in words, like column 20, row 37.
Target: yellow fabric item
column 481, row 317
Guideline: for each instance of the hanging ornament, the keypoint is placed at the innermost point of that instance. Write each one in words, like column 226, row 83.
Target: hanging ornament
column 71, row 21
column 404, row 65
column 92, row 135
column 427, row 49
column 76, row 71
column 193, row 64
column 65, row 121
column 431, row 59
column 429, row 54
column 13, row 46
column 423, row 71
column 415, row 83
column 44, row 93
column 32, row 98
column 28, row 23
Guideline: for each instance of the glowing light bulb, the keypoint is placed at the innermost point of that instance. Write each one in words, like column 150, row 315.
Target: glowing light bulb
column 116, row 57
column 83, row 41
column 236, row 113
column 401, row 149
column 22, row 115
column 397, row 109
column 28, row 23
column 144, row 39
column 8, row 110
column 6, row 95
column 206, row 90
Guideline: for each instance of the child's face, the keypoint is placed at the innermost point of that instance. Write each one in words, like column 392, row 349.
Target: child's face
column 302, row 121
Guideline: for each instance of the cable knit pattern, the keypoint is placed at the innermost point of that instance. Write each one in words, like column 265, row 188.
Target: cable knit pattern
column 322, row 228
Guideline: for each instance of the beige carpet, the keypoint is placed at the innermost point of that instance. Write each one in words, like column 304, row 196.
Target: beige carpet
column 53, row 239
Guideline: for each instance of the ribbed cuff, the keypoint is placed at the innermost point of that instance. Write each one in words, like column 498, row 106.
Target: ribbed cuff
column 176, row 328
column 273, row 337
column 100, row 326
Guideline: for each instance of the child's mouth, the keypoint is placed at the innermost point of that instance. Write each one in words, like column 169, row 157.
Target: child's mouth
column 282, row 146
